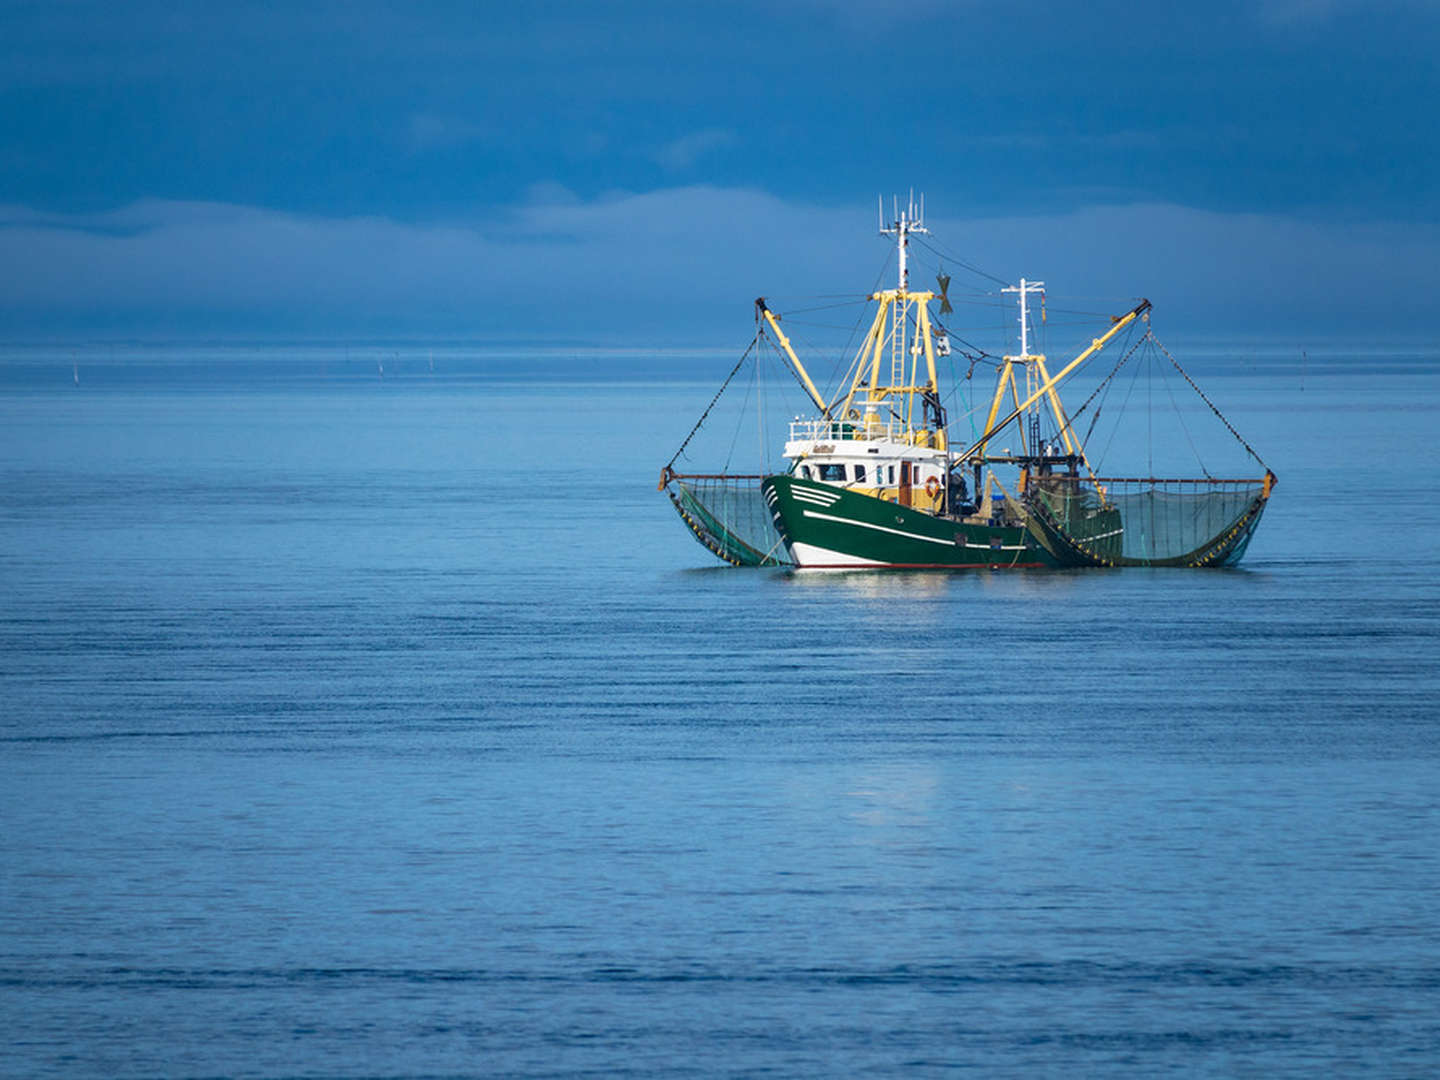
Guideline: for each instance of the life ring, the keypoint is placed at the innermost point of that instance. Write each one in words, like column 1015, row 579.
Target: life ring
column 932, row 487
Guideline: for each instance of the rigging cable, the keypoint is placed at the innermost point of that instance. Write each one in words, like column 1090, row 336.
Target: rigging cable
column 1180, row 417
column 744, row 406
column 828, row 307
column 743, row 357
column 854, row 367
column 1207, row 401
column 1113, row 371
column 937, row 251
column 1124, row 406
column 784, row 359
column 1104, row 384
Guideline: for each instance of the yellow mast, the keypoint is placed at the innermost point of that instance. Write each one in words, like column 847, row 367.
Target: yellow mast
column 872, row 392
column 1033, row 364
column 877, row 392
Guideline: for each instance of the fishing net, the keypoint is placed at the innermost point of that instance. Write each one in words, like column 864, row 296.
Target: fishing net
column 729, row 515
column 1145, row 522
column 714, row 479
column 1082, row 520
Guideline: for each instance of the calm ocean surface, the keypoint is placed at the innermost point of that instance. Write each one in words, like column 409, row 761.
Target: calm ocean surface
column 354, row 727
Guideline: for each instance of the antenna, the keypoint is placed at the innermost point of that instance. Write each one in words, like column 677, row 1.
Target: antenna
column 907, row 221
column 1024, row 289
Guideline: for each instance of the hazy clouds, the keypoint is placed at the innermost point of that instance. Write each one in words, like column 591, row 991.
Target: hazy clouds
column 678, row 265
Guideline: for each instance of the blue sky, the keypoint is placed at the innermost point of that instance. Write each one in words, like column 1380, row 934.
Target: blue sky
column 542, row 170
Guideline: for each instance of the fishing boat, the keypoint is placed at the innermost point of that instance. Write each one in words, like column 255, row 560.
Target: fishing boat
column 873, row 480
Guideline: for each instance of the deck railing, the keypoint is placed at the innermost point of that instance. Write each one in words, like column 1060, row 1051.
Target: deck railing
column 823, row 430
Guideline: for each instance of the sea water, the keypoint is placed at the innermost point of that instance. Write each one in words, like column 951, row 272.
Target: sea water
column 399, row 727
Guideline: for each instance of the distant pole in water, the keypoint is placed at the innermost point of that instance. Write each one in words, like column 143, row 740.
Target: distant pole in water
column 381, row 364
column 75, row 368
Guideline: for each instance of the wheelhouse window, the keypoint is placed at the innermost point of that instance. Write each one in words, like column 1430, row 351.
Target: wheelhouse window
column 859, row 474
column 805, row 472
column 833, row 472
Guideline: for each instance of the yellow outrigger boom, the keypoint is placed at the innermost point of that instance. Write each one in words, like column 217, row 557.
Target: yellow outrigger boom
column 774, row 321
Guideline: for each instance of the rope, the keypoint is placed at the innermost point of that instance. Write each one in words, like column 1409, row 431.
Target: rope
column 1184, row 427
column 1124, row 407
column 935, row 249
column 1250, row 450
column 744, row 407
column 1070, row 420
column 1103, row 382
column 785, row 361
column 854, row 329
column 826, row 307
column 744, row 356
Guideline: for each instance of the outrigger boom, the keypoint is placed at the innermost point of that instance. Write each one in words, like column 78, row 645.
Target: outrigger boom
column 804, row 376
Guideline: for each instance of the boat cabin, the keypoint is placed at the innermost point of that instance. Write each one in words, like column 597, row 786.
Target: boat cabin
column 904, row 467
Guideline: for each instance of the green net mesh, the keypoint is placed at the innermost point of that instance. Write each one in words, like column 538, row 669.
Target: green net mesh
column 1145, row 522
column 729, row 515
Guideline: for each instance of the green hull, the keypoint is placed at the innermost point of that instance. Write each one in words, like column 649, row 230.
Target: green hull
column 825, row 527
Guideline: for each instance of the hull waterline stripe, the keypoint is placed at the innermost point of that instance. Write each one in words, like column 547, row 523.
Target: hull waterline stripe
column 923, row 566
column 877, row 528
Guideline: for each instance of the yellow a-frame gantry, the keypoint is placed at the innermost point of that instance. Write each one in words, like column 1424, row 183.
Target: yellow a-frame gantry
column 1006, row 380
column 877, row 390
column 976, row 452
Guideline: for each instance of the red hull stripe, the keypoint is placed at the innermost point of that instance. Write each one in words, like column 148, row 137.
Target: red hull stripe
column 925, row 566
